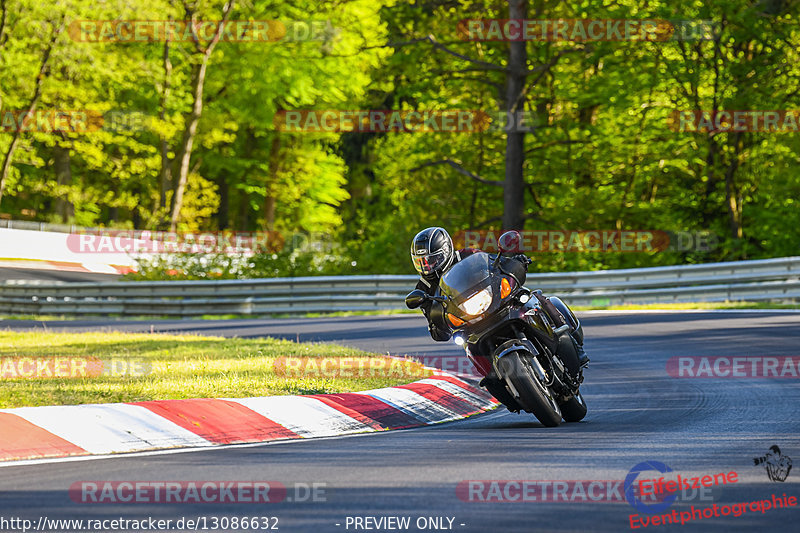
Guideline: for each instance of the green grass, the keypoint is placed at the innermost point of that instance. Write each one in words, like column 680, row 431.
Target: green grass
column 35, row 317
column 180, row 366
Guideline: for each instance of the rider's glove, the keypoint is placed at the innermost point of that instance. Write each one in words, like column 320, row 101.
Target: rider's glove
column 438, row 334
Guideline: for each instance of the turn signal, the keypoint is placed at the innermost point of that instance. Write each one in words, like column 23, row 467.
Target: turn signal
column 454, row 320
column 505, row 287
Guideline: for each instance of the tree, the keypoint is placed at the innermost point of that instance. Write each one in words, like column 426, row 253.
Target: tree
column 56, row 27
column 198, row 79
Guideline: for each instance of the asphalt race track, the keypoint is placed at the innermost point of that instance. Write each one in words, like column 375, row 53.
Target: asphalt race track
column 637, row 413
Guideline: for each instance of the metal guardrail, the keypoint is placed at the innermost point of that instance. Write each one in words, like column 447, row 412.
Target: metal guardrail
column 42, row 226
column 769, row 279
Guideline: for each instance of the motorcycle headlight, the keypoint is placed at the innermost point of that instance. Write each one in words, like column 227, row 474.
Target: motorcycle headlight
column 478, row 303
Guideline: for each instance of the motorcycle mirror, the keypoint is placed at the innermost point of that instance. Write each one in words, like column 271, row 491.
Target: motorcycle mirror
column 415, row 298
column 509, row 242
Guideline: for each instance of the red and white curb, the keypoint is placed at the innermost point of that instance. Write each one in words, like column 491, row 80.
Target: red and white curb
column 100, row 429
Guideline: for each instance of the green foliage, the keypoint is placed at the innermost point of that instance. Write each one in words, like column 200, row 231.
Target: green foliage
column 602, row 154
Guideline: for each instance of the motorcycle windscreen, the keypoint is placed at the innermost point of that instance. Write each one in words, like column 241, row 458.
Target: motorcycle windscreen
column 466, row 277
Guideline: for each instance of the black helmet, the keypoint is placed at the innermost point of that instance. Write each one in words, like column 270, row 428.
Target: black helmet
column 432, row 251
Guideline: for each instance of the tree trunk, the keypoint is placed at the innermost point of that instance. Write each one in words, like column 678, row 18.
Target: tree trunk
column 514, row 184
column 223, row 212
column 732, row 196
column 244, row 211
column 37, row 94
column 3, row 20
column 184, row 154
column 585, row 118
column 187, row 142
column 7, row 162
column 707, row 213
column 63, row 171
column 274, row 169
column 269, row 213
column 165, row 176
column 136, row 218
column 3, row 37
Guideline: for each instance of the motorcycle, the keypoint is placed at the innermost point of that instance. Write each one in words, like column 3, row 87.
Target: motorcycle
column 527, row 362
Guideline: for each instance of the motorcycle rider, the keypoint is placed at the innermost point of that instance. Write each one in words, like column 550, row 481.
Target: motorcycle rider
column 433, row 255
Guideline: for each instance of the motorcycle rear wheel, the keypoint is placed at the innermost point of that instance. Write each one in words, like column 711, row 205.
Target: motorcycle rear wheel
column 534, row 395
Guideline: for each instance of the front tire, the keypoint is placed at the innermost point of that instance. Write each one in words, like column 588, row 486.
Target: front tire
column 574, row 409
column 535, row 397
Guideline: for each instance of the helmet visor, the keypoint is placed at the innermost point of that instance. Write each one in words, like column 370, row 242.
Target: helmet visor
column 428, row 264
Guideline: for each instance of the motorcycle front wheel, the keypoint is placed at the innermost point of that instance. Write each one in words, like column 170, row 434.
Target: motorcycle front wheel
column 534, row 396
column 574, row 409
